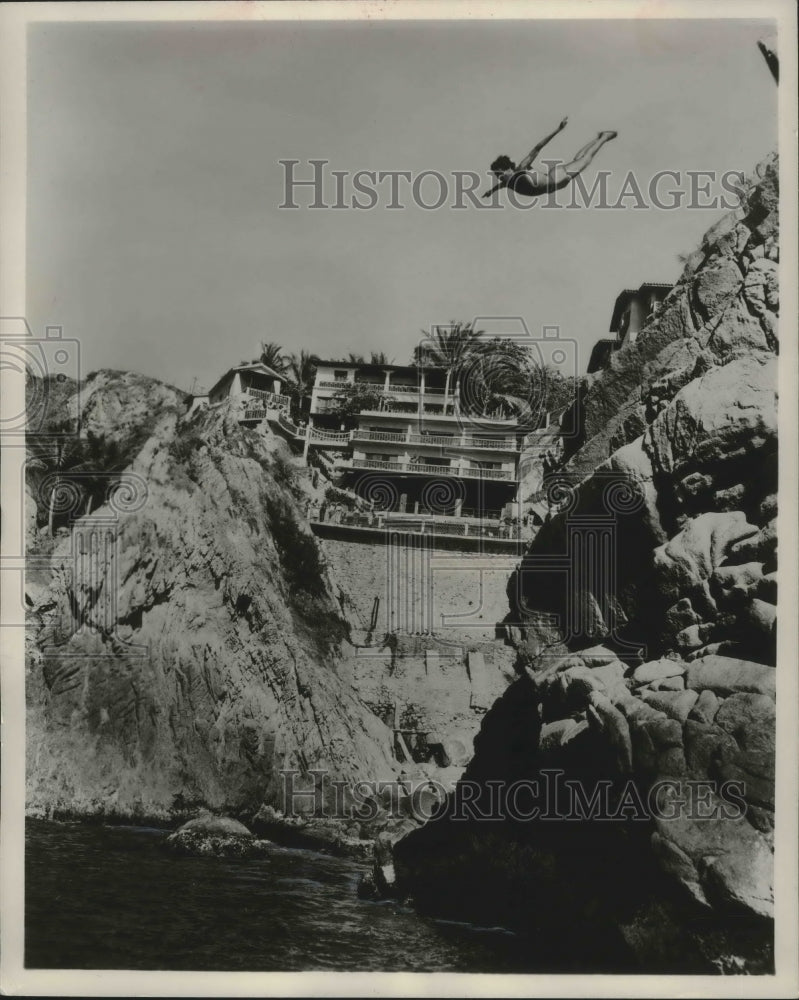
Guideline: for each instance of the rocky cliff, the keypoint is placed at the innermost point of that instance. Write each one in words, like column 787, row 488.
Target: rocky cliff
column 184, row 640
column 644, row 618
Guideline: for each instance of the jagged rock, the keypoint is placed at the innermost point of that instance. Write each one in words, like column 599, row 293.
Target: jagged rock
column 684, row 564
column 761, row 291
column 727, row 413
column 233, row 632
column 694, row 636
column 732, row 498
column 680, row 616
column 726, row 675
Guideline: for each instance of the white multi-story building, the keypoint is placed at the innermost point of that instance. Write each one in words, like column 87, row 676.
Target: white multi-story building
column 413, row 449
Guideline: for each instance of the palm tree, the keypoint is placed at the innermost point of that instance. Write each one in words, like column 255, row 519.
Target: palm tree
column 506, row 380
column 501, row 379
column 447, row 347
column 356, row 359
column 273, row 357
column 301, row 371
column 380, row 358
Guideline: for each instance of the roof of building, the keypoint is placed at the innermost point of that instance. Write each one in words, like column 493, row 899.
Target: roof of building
column 629, row 293
column 255, row 366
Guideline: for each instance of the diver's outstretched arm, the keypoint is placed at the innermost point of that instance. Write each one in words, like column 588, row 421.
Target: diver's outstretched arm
column 525, row 163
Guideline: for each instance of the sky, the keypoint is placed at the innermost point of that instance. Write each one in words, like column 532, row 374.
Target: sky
column 154, row 231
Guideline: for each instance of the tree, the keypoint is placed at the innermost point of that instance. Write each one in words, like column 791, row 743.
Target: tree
column 380, row 358
column 350, row 401
column 301, row 371
column 503, row 379
column 273, row 357
column 447, row 347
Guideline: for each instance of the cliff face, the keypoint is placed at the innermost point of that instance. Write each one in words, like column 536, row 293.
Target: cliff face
column 650, row 663
column 205, row 660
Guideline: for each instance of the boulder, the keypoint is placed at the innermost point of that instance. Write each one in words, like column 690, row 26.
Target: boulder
column 706, row 746
column 216, row 836
column 731, row 864
column 727, row 675
column 729, row 412
column 613, row 724
column 751, row 720
column 656, row 670
column 676, row 704
column 668, row 684
column 684, row 564
column 705, row 707
column 732, row 586
column 556, row 734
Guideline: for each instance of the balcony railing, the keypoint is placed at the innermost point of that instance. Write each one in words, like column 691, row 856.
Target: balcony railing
column 429, row 470
column 380, row 436
column 331, row 437
column 465, row 441
column 289, row 425
column 272, row 398
column 412, row 410
column 443, row 440
column 380, row 387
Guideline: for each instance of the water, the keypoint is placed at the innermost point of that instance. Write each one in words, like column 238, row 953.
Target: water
column 110, row 897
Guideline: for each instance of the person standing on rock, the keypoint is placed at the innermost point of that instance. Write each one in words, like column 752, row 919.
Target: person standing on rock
column 531, row 180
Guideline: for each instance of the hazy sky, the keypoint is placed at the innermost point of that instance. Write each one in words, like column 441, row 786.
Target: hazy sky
column 154, row 233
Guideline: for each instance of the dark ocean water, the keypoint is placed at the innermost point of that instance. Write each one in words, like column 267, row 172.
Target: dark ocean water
column 110, row 897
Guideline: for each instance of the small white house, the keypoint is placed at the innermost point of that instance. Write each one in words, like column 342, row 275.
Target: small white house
column 252, row 379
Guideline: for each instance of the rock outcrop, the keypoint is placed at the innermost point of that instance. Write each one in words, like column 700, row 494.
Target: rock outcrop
column 184, row 637
column 216, row 836
column 645, row 626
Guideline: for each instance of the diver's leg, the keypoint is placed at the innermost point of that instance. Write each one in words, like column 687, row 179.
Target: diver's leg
column 561, row 173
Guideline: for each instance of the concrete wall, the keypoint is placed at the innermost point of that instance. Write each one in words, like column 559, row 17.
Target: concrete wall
column 458, row 596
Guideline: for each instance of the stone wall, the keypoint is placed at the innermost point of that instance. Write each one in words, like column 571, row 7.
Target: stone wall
column 458, row 596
